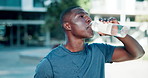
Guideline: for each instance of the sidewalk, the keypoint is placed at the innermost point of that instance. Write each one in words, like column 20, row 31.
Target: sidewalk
column 35, row 54
column 20, row 62
column 128, row 69
column 29, row 52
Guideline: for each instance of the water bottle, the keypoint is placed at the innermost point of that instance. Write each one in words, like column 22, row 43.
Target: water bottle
column 110, row 28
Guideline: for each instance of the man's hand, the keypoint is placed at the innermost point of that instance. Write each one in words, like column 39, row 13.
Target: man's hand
column 131, row 49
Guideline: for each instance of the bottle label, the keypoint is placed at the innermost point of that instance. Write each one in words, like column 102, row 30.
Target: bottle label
column 110, row 29
column 100, row 27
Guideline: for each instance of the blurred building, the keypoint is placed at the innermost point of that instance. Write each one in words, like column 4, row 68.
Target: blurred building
column 22, row 21
column 123, row 10
column 126, row 12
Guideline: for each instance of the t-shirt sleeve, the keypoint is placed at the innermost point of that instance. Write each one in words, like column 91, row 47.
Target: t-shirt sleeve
column 107, row 51
column 44, row 69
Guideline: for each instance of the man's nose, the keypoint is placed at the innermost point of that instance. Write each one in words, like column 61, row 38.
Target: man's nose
column 88, row 19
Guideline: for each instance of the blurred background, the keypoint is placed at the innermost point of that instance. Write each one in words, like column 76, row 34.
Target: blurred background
column 29, row 29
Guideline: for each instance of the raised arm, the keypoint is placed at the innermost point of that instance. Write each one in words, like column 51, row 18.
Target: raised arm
column 130, row 51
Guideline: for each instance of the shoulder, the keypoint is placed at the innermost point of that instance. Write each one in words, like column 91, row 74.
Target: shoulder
column 56, row 53
column 97, row 45
column 42, row 68
column 101, row 46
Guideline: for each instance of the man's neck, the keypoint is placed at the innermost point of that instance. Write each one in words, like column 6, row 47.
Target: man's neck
column 75, row 45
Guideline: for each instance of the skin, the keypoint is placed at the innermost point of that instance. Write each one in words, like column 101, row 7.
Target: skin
column 77, row 28
column 114, row 29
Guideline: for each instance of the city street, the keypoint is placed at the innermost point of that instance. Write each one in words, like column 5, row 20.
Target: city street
column 29, row 29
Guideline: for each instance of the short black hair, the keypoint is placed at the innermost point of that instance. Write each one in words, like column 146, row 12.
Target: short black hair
column 65, row 12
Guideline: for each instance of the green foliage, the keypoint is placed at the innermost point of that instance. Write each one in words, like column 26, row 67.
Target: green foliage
column 85, row 4
column 139, row 0
column 54, row 11
column 142, row 18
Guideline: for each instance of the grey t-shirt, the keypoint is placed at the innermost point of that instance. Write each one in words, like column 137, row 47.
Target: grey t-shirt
column 88, row 63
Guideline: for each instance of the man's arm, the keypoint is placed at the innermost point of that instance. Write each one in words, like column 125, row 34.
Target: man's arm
column 131, row 50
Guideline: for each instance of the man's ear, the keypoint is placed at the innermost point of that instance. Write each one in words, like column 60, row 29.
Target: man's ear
column 67, row 26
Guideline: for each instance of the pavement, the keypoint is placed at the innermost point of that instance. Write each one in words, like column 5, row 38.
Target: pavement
column 20, row 62
column 128, row 69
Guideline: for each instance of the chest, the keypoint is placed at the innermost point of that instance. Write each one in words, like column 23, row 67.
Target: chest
column 72, row 66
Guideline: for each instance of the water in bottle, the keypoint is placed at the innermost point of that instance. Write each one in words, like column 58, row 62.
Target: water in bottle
column 110, row 29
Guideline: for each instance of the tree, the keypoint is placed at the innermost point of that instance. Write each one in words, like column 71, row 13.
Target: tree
column 53, row 15
column 141, row 18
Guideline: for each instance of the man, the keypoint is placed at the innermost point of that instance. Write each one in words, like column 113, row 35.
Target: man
column 77, row 59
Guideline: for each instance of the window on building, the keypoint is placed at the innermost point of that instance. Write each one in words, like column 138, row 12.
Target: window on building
column 139, row 0
column 38, row 3
column 10, row 3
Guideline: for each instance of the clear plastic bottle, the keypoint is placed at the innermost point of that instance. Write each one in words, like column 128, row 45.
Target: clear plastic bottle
column 109, row 28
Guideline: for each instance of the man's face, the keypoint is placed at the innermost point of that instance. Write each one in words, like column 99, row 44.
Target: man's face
column 80, row 23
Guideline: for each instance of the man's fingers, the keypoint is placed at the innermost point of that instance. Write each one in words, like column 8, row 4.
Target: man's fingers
column 101, row 34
